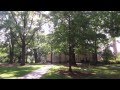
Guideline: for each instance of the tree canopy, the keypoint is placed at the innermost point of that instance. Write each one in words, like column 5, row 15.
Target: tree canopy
column 74, row 33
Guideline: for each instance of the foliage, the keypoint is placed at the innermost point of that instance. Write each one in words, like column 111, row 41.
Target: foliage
column 82, row 31
column 107, row 55
column 111, row 20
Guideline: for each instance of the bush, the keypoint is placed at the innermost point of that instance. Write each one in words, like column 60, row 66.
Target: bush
column 107, row 55
column 3, row 59
column 114, row 62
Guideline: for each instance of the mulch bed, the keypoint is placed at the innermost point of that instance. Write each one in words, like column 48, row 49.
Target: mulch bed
column 9, row 65
column 74, row 74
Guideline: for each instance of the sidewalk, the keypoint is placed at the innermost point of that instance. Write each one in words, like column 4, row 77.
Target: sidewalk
column 37, row 74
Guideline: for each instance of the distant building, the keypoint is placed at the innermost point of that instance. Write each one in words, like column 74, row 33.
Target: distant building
column 61, row 58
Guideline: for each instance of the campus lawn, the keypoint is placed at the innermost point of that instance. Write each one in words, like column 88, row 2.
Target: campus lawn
column 12, row 72
column 86, row 72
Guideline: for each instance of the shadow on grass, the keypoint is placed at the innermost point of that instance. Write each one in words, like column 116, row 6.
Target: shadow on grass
column 9, row 72
column 92, row 72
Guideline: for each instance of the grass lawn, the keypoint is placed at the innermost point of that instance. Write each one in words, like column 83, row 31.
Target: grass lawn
column 12, row 72
column 91, row 72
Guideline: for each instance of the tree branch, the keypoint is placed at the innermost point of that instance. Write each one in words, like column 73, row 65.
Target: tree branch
column 16, row 24
column 30, row 26
column 31, row 37
column 15, row 38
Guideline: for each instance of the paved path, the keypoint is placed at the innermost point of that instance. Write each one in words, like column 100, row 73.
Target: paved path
column 37, row 74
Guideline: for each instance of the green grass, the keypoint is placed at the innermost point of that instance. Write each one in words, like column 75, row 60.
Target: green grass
column 113, row 61
column 53, row 73
column 92, row 72
column 14, row 72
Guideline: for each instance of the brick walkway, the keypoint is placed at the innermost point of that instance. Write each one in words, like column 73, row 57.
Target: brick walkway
column 37, row 74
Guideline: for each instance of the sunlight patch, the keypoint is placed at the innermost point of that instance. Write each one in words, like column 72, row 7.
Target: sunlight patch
column 6, row 75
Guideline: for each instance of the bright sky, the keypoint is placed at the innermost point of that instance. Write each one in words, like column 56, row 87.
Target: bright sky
column 118, row 45
column 47, row 28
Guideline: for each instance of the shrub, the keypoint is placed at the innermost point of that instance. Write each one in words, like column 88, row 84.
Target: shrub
column 107, row 55
column 114, row 62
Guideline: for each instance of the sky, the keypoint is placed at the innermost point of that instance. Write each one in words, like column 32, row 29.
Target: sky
column 47, row 28
column 118, row 45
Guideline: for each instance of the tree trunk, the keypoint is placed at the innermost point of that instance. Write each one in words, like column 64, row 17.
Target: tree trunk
column 39, row 57
column 73, row 62
column 51, row 54
column 26, row 59
column 19, row 58
column 11, row 55
column 65, row 58
column 60, row 58
column 95, row 53
column 35, row 56
column 23, row 52
column 51, row 57
column 70, row 45
column 70, row 59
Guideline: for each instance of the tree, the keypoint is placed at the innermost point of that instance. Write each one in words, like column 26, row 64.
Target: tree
column 107, row 55
column 24, row 27
column 5, row 26
column 111, row 21
column 70, row 31
column 65, row 20
column 96, row 34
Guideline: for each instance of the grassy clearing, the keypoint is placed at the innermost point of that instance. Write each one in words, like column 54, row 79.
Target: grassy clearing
column 7, row 72
column 117, row 61
column 92, row 72
column 53, row 73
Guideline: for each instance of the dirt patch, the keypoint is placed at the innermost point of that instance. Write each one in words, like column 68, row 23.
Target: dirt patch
column 75, row 74
column 9, row 65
